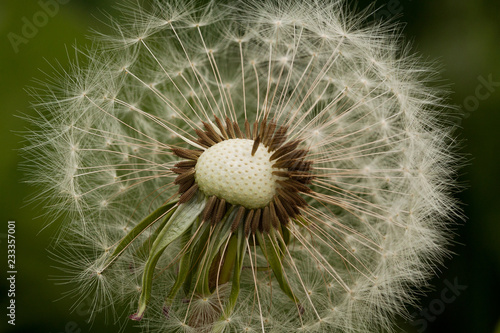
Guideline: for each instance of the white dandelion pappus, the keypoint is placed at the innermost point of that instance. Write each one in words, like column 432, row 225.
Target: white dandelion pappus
column 259, row 167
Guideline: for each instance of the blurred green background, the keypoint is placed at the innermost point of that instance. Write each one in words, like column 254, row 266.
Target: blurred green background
column 463, row 35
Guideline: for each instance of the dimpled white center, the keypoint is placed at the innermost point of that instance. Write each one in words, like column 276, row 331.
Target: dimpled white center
column 229, row 171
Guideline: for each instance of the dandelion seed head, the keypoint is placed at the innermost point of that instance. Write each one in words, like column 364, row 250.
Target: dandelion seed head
column 274, row 166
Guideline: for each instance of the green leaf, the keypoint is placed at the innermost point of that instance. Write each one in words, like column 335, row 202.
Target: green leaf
column 229, row 259
column 162, row 212
column 284, row 240
column 181, row 220
column 218, row 238
column 271, row 250
column 238, row 267
column 148, row 243
column 184, row 268
column 199, row 245
column 219, row 327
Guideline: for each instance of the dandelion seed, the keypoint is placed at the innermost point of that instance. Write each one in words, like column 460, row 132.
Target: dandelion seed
column 260, row 167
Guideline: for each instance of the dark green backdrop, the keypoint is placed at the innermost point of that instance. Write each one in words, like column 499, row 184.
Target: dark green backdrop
column 463, row 35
